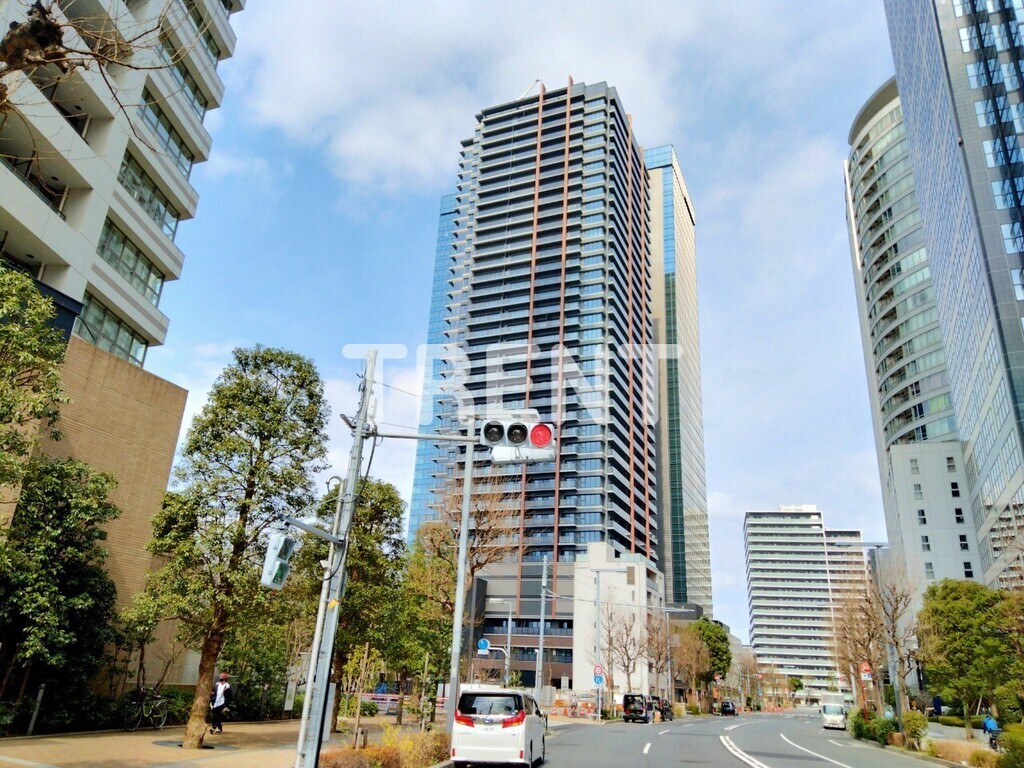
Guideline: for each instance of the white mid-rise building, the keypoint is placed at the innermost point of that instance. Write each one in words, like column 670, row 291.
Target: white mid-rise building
column 798, row 574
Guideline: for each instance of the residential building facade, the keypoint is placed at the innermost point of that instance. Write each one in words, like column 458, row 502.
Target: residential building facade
column 959, row 75
column 545, row 258
column 94, row 182
column 921, row 464
column 798, row 574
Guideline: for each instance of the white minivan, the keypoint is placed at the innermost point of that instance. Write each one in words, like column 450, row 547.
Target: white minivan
column 497, row 725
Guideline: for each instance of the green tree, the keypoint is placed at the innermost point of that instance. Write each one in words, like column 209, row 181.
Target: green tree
column 56, row 601
column 963, row 655
column 31, row 352
column 795, row 686
column 717, row 641
column 250, row 454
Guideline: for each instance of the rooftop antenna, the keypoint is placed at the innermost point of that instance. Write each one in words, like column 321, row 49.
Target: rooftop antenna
column 528, row 89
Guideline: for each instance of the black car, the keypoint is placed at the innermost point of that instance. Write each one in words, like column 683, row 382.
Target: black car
column 637, row 708
column 728, row 708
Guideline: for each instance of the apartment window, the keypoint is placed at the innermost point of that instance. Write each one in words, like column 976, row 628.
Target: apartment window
column 950, row 464
column 124, row 256
column 918, row 493
column 922, row 519
column 139, row 185
column 180, row 74
column 209, row 45
column 929, row 571
column 959, row 514
column 964, row 546
column 926, row 546
column 914, row 468
column 103, row 328
column 954, row 489
column 157, row 120
column 968, row 570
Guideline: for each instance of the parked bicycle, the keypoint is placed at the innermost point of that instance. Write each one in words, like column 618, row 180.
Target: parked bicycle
column 145, row 702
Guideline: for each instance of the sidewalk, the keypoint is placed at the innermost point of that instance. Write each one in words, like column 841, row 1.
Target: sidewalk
column 242, row 745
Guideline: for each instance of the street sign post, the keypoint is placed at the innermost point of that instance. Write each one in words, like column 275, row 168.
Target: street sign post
column 483, row 646
column 598, row 669
column 598, row 679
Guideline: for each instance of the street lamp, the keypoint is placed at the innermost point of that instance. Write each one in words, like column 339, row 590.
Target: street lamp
column 508, row 637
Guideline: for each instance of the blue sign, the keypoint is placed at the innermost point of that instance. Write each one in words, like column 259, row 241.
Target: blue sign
column 483, row 645
column 598, row 679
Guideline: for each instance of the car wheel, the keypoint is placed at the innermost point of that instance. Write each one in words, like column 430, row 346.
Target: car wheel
column 543, row 751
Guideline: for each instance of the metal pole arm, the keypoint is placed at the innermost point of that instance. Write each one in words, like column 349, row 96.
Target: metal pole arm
column 310, row 529
column 374, row 432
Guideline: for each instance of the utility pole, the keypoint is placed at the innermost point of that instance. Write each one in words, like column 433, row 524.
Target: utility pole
column 460, row 578
column 540, row 646
column 314, row 705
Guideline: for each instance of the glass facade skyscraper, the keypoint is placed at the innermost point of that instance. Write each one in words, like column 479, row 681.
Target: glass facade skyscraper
column 685, row 554
column 958, row 66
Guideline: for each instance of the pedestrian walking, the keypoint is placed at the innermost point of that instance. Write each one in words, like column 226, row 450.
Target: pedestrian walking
column 220, row 700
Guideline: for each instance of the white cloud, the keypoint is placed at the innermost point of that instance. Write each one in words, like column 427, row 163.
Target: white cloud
column 389, row 91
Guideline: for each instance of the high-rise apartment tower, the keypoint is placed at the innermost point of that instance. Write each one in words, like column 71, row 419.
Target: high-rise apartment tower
column 798, row 574
column 923, row 479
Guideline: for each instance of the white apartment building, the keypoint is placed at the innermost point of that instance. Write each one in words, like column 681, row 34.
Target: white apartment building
column 798, row 572
column 624, row 592
column 95, row 166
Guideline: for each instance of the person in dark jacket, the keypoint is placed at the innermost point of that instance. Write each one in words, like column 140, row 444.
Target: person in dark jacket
column 220, row 700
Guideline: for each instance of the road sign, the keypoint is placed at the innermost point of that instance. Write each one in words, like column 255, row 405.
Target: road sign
column 483, row 646
column 598, row 679
column 865, row 676
column 598, row 669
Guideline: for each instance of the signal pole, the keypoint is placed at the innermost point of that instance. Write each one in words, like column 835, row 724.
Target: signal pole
column 314, row 705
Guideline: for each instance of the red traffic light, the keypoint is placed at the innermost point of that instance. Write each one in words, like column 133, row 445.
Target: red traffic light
column 540, row 436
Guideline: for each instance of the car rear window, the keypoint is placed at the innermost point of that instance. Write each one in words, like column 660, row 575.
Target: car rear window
column 633, row 702
column 490, row 703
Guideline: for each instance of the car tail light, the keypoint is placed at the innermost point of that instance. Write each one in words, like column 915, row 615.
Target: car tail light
column 517, row 719
column 462, row 719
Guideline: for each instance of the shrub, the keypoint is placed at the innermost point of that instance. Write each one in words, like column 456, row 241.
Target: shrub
column 368, row 709
column 954, row 751
column 897, row 739
column 883, row 727
column 914, row 726
column 1009, row 705
column 416, row 750
column 862, row 725
column 692, row 709
column 343, row 757
column 983, row 758
column 951, row 720
column 1013, row 756
column 179, row 704
column 381, row 756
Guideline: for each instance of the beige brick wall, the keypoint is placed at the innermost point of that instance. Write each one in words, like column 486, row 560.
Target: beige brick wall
column 122, row 420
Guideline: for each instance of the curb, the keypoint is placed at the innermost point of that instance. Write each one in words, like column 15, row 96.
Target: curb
column 907, row 753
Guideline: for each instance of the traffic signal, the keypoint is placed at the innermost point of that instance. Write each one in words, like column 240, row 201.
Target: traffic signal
column 275, row 565
column 519, row 440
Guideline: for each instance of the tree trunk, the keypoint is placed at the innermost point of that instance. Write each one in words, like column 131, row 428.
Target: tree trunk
column 401, row 696
column 195, row 729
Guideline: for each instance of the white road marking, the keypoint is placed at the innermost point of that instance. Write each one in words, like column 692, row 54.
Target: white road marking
column 662, row 733
column 647, row 747
column 804, row 749
column 740, row 754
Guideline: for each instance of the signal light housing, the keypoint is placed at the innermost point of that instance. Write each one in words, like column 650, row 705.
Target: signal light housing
column 518, row 437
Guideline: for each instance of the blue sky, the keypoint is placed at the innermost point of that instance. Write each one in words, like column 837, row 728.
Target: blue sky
column 340, row 131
